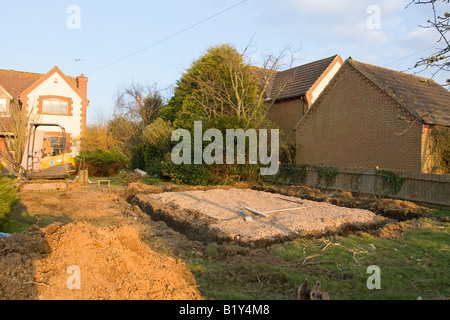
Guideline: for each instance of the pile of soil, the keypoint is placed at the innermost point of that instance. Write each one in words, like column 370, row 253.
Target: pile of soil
column 136, row 188
column 398, row 209
column 390, row 208
column 110, row 264
column 140, row 188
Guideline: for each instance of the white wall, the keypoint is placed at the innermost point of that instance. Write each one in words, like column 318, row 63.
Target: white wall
column 55, row 85
column 318, row 90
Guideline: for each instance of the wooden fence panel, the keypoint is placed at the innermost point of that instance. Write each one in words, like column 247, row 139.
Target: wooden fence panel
column 419, row 187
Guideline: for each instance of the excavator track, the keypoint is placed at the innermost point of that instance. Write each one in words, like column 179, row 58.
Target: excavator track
column 44, row 185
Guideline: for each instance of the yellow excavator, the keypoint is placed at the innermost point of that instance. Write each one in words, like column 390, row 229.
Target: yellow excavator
column 42, row 168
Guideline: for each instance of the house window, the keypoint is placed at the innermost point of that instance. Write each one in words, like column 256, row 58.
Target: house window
column 3, row 108
column 55, row 105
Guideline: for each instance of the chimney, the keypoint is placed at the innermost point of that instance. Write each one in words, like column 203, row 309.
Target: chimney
column 82, row 82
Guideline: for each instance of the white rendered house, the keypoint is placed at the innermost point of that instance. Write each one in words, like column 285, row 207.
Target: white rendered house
column 46, row 98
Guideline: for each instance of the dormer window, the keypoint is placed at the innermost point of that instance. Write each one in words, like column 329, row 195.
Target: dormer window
column 55, row 105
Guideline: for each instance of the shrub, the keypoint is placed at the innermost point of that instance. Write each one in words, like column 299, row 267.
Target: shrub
column 440, row 149
column 192, row 174
column 153, row 160
column 392, row 181
column 8, row 199
column 328, row 173
column 137, row 160
column 157, row 142
column 102, row 163
column 125, row 177
column 293, row 173
column 242, row 173
column 230, row 174
column 158, row 135
column 204, row 174
column 212, row 250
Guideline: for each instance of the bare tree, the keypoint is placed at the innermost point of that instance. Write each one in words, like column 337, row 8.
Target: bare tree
column 440, row 59
column 138, row 103
column 273, row 63
column 14, row 128
column 136, row 107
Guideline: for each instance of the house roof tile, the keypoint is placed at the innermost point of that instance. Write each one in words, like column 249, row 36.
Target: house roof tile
column 16, row 82
column 296, row 82
column 424, row 98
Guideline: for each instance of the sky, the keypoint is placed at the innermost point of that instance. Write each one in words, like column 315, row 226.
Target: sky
column 151, row 43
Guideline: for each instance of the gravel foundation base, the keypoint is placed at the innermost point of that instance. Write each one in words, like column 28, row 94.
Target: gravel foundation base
column 215, row 215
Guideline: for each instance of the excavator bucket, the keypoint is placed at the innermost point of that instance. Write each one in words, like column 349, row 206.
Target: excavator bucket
column 6, row 169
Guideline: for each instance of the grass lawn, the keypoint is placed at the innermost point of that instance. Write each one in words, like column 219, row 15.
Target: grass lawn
column 413, row 264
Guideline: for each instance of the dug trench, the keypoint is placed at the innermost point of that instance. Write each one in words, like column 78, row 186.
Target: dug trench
column 201, row 227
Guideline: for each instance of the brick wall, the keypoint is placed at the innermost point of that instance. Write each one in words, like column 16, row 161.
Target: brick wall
column 356, row 124
column 287, row 114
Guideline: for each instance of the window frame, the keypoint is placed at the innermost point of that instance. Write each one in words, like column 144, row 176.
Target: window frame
column 69, row 102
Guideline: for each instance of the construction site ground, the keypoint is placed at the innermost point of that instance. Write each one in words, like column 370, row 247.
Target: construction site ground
column 128, row 248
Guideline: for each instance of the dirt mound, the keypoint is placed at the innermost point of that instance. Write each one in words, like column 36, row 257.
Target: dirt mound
column 392, row 230
column 390, row 208
column 138, row 188
column 81, row 262
column 400, row 205
column 398, row 209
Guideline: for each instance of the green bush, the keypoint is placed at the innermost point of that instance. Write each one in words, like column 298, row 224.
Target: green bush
column 8, row 199
column 102, row 163
column 158, row 135
column 226, row 173
column 212, row 250
column 293, row 173
column 157, row 142
column 391, row 181
column 192, row 174
column 137, row 160
column 203, row 174
column 153, row 160
column 327, row 173
column 440, row 149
